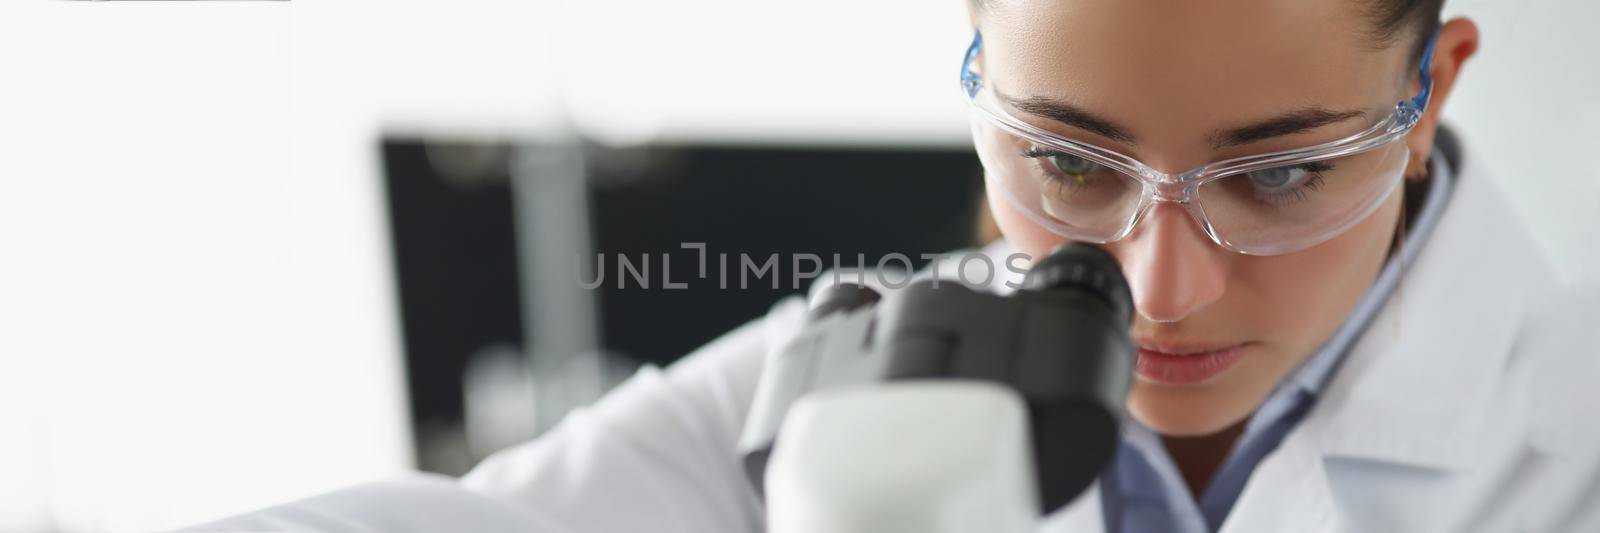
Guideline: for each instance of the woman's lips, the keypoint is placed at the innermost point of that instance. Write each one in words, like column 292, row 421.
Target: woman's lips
column 1185, row 365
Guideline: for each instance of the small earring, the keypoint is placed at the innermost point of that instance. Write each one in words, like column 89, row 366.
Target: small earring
column 1421, row 168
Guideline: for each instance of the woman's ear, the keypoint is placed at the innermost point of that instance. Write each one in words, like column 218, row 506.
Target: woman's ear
column 1458, row 41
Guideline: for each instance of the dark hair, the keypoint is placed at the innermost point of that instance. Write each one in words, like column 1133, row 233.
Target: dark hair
column 1389, row 18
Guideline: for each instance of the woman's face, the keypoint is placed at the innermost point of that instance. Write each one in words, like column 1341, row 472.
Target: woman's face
column 1170, row 74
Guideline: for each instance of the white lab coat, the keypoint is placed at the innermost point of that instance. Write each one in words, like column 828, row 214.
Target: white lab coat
column 1469, row 405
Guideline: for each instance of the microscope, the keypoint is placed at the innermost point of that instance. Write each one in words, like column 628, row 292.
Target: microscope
column 939, row 408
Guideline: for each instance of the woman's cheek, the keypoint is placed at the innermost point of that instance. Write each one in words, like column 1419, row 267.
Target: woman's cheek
column 1309, row 293
column 1023, row 235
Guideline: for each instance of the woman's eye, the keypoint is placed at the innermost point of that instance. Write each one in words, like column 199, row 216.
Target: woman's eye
column 1069, row 168
column 1072, row 165
column 1279, row 177
column 1288, row 184
column 1288, row 177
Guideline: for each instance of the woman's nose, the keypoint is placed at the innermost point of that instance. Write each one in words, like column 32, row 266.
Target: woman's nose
column 1173, row 268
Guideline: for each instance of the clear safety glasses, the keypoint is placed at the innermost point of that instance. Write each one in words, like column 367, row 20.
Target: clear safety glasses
column 1267, row 204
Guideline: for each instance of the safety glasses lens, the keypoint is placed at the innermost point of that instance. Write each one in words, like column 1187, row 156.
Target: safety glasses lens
column 1067, row 192
column 1291, row 207
column 1266, row 211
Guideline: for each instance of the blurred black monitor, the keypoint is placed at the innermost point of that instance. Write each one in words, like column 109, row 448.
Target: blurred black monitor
column 454, row 230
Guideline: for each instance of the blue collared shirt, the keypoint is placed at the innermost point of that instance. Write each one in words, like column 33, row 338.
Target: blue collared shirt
column 1142, row 491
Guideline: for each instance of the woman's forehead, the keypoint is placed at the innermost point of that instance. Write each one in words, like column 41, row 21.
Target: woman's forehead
column 1170, row 68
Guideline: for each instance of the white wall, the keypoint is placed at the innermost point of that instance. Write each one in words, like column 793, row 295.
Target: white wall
column 821, row 72
column 196, row 308
column 197, row 315
column 1529, row 106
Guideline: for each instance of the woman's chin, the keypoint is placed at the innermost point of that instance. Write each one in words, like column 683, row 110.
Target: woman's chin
column 1183, row 415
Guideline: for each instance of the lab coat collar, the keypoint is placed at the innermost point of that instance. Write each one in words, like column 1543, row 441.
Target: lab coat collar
column 1415, row 388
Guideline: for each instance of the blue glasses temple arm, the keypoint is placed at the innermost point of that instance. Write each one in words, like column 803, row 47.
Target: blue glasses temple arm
column 1425, row 75
column 969, row 79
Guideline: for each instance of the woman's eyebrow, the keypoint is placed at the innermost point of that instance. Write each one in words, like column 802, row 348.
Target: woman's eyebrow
column 1070, row 115
column 1297, row 121
column 1304, row 119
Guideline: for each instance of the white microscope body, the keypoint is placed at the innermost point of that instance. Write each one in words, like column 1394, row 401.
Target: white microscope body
column 942, row 409
column 911, row 457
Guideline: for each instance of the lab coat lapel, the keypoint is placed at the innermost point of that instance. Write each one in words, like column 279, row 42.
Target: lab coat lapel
column 1288, row 491
column 1412, row 389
